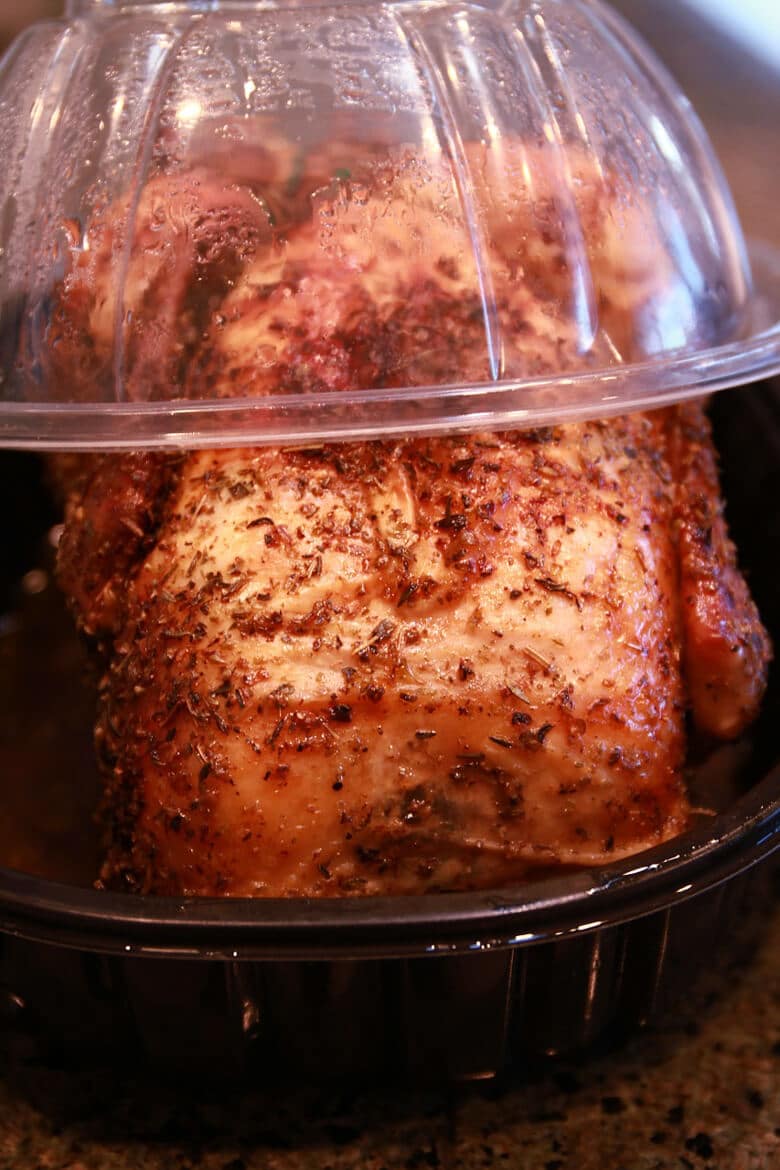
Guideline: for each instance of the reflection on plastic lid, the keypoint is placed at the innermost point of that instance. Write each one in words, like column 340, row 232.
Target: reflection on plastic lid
column 481, row 217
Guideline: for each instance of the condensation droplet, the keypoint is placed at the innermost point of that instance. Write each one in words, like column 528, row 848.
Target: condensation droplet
column 35, row 581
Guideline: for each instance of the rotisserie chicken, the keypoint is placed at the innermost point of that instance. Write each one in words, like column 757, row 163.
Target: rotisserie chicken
column 397, row 666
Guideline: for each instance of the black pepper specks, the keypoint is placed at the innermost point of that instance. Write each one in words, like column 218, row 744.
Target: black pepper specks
column 701, row 1145
column 340, row 713
column 452, row 521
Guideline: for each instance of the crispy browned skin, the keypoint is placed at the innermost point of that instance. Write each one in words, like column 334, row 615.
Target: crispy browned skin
column 110, row 517
column 397, row 666
column 726, row 648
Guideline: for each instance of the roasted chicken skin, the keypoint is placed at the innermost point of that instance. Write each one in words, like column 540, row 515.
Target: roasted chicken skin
column 726, row 649
column 397, row 666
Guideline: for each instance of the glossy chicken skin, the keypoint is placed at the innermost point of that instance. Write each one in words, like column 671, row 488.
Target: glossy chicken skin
column 395, row 666
column 726, row 648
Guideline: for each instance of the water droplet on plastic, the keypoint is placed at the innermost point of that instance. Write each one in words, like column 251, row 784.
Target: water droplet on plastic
column 35, row 581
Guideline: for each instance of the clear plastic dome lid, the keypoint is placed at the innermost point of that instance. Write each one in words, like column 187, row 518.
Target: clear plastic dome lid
column 260, row 222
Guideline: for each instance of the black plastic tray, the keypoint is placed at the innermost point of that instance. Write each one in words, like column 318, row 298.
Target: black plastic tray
column 452, row 986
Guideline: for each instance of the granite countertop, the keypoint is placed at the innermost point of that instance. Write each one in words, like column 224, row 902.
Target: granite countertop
column 687, row 1096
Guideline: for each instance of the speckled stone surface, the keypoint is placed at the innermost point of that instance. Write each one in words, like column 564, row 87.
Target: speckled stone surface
column 692, row 1094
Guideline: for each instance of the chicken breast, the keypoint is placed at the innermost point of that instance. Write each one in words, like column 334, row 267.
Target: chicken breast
column 392, row 667
column 408, row 665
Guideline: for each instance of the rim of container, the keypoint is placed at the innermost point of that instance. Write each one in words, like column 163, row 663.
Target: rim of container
column 411, row 411
column 581, row 902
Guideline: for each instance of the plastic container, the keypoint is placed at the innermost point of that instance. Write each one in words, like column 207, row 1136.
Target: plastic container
column 458, row 986
column 463, row 145
column 289, row 150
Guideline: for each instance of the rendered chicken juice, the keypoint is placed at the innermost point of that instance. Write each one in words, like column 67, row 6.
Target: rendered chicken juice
column 359, row 313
